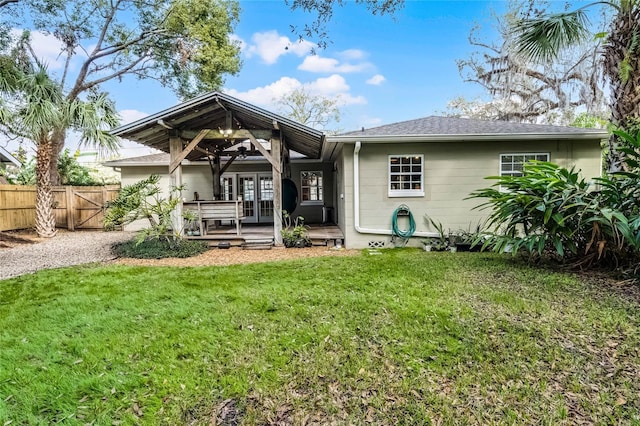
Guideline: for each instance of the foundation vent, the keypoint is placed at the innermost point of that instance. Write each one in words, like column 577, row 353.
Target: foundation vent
column 376, row 244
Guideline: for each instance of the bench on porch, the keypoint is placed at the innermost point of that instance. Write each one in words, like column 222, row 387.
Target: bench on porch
column 216, row 210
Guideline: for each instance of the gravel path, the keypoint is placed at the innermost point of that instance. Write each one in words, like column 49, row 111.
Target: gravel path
column 76, row 248
column 66, row 249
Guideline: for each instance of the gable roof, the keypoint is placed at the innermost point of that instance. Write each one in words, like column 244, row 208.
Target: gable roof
column 452, row 128
column 209, row 111
column 7, row 158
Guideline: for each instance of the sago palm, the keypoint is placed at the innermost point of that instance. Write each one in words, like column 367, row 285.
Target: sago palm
column 31, row 106
column 543, row 37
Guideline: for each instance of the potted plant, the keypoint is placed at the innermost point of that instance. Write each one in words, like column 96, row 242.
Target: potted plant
column 191, row 223
column 439, row 243
column 464, row 241
column 434, row 244
column 294, row 233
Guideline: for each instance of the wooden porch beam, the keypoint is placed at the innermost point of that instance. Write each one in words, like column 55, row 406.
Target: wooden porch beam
column 228, row 163
column 248, row 135
column 175, row 162
column 236, row 134
column 203, row 151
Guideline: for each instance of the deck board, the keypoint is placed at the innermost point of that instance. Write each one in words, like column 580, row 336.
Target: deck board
column 260, row 232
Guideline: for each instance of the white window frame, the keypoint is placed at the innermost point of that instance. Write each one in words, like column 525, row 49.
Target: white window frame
column 390, row 173
column 320, row 188
column 522, row 154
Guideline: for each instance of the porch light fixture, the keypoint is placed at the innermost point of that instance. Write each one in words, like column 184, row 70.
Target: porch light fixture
column 225, row 132
column 242, row 151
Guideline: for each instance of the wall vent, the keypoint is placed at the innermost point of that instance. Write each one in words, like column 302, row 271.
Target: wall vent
column 376, row 244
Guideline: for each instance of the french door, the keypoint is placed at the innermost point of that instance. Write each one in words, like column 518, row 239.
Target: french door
column 257, row 197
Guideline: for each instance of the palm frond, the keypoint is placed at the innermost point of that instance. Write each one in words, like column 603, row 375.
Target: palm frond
column 94, row 118
column 541, row 39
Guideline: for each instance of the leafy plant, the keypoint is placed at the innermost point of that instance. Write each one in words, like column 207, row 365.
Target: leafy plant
column 294, row 233
column 144, row 200
column 159, row 249
column 439, row 243
column 70, row 170
column 552, row 211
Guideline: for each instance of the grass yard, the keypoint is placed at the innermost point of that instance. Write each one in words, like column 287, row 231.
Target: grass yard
column 405, row 337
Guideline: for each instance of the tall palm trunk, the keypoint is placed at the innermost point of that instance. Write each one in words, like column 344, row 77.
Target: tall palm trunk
column 621, row 61
column 45, row 219
column 57, row 145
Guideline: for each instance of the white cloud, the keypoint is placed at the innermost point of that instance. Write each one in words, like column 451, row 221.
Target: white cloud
column 265, row 95
column 334, row 86
column 130, row 115
column 316, row 63
column 352, row 54
column 376, row 80
column 270, row 45
column 46, row 47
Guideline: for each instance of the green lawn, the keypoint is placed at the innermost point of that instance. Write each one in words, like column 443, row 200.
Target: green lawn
column 405, row 337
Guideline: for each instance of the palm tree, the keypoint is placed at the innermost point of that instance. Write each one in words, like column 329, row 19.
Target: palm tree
column 543, row 37
column 31, row 106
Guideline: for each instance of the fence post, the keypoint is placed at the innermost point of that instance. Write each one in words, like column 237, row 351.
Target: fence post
column 70, row 208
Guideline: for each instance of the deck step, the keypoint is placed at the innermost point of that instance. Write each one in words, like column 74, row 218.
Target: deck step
column 258, row 244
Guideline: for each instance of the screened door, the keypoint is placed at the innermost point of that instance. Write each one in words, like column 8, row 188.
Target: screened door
column 247, row 188
column 257, row 197
column 265, row 198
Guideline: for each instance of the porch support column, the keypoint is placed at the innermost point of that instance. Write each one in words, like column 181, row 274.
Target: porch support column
column 175, row 180
column 217, row 190
column 286, row 159
column 276, row 153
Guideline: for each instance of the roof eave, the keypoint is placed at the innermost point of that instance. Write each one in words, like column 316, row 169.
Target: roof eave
column 467, row 137
column 6, row 154
column 152, row 119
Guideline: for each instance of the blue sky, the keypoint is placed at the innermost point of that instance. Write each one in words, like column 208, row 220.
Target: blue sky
column 386, row 69
column 383, row 68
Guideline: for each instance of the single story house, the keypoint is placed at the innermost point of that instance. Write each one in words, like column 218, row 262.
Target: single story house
column 225, row 149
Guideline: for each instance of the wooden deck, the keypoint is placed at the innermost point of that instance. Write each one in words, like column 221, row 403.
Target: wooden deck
column 320, row 235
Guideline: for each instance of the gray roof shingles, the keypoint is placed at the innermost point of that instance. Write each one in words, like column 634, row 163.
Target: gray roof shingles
column 434, row 125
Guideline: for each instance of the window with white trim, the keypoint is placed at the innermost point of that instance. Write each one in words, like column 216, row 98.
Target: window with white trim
column 512, row 164
column 311, row 187
column 406, row 177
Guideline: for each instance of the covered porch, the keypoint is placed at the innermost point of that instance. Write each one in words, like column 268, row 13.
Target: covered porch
column 248, row 151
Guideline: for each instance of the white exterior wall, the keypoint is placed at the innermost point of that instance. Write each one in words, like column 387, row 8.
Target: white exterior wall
column 452, row 170
column 197, row 178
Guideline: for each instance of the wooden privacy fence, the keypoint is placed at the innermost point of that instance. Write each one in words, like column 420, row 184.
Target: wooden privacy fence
column 75, row 207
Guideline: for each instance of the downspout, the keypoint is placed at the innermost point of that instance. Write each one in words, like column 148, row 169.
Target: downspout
column 356, row 202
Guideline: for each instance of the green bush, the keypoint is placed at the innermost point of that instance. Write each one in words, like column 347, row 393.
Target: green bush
column 552, row 212
column 144, row 200
column 159, row 249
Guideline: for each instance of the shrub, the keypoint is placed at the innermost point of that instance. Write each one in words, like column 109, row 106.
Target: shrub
column 551, row 211
column 294, row 233
column 144, row 200
column 159, row 249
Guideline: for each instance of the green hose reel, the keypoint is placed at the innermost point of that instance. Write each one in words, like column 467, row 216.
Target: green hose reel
column 401, row 211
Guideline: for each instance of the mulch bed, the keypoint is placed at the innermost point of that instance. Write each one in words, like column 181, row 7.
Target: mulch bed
column 235, row 256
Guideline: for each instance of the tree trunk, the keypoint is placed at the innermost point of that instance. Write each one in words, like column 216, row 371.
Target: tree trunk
column 57, row 145
column 625, row 87
column 45, row 219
